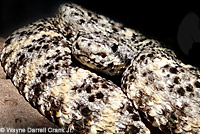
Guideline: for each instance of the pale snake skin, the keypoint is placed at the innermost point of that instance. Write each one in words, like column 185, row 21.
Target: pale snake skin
column 39, row 60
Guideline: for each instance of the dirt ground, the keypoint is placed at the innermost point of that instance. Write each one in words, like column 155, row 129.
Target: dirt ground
column 15, row 111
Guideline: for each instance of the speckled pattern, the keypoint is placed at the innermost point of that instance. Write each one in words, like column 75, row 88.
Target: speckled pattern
column 166, row 90
column 40, row 59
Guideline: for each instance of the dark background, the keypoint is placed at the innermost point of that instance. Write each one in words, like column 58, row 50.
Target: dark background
column 159, row 20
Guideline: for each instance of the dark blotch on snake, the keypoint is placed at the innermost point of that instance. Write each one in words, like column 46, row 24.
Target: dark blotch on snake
column 181, row 91
column 99, row 95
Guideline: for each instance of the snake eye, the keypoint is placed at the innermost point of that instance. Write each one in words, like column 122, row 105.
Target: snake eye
column 103, row 55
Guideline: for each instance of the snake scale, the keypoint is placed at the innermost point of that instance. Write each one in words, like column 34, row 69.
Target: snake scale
column 47, row 60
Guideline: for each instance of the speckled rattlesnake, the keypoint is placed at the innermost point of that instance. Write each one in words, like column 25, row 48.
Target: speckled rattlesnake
column 39, row 60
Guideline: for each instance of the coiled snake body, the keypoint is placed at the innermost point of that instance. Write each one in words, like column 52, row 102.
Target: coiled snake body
column 39, row 59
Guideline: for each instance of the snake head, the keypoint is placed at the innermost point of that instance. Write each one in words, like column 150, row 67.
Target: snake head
column 102, row 53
